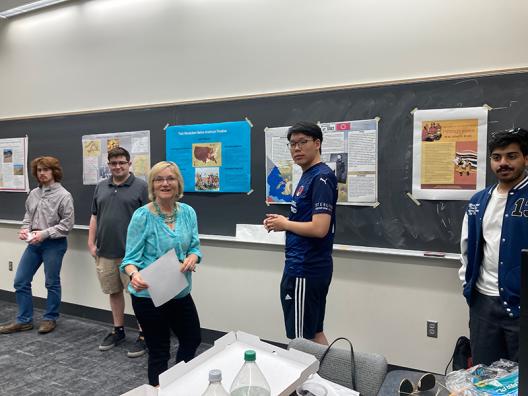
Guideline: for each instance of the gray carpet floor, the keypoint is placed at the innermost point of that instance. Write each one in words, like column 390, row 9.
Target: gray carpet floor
column 67, row 361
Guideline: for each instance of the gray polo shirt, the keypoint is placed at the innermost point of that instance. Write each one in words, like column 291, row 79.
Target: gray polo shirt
column 113, row 205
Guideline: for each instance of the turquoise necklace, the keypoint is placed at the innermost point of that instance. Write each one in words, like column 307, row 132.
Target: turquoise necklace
column 167, row 219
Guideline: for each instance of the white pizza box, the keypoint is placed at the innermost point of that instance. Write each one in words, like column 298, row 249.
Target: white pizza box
column 142, row 390
column 284, row 369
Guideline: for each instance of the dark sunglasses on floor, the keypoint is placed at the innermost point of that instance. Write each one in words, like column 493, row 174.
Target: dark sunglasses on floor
column 425, row 383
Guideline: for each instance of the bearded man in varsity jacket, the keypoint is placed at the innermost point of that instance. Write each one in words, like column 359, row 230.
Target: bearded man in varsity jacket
column 494, row 232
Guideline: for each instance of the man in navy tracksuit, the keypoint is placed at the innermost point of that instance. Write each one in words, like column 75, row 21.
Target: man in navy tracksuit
column 310, row 230
column 494, row 232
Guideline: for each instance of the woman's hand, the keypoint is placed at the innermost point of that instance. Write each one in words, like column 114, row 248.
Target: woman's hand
column 189, row 264
column 137, row 282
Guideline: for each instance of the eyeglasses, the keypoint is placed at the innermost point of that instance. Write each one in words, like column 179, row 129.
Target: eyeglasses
column 161, row 179
column 425, row 383
column 300, row 144
column 118, row 163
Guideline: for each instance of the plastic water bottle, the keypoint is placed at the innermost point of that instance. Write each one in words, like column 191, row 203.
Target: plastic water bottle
column 215, row 387
column 250, row 381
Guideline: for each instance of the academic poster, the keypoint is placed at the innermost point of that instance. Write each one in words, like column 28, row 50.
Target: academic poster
column 212, row 157
column 350, row 148
column 13, row 165
column 449, row 153
column 95, row 154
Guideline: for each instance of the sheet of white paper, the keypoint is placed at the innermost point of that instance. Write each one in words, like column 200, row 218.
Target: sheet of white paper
column 258, row 234
column 164, row 278
column 30, row 236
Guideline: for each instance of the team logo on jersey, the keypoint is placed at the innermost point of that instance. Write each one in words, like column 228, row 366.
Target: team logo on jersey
column 299, row 190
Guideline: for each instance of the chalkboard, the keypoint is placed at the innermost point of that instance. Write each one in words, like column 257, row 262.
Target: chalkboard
column 396, row 223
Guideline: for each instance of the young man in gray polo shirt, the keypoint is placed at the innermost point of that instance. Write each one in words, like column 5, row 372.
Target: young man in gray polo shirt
column 115, row 200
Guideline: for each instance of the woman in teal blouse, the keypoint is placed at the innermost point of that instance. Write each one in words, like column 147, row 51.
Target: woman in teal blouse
column 154, row 229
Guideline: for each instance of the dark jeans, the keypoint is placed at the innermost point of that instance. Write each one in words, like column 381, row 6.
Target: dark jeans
column 493, row 334
column 178, row 315
column 50, row 252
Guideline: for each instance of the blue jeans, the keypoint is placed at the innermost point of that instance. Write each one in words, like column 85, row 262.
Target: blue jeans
column 50, row 252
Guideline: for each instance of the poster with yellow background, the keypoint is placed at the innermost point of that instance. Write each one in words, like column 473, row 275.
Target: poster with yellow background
column 450, row 153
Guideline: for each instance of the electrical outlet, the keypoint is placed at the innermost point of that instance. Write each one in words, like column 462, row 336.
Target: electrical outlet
column 10, row 265
column 432, row 328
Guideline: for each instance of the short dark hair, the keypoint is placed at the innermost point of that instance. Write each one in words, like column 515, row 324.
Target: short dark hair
column 307, row 128
column 50, row 163
column 119, row 152
column 505, row 138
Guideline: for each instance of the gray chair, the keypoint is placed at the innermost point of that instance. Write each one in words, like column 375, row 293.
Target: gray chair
column 371, row 368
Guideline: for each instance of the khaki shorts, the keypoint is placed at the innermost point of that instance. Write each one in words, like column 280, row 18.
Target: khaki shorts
column 111, row 279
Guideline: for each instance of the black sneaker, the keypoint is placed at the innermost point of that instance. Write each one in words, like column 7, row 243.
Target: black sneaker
column 138, row 349
column 111, row 340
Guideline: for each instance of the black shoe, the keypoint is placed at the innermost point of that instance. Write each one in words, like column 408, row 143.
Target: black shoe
column 138, row 349
column 111, row 340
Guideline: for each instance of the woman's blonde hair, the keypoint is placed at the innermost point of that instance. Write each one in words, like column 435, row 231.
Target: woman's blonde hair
column 156, row 169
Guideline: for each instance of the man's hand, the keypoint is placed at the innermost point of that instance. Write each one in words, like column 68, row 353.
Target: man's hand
column 92, row 230
column 37, row 238
column 92, row 249
column 189, row 264
column 275, row 222
column 317, row 228
column 23, row 234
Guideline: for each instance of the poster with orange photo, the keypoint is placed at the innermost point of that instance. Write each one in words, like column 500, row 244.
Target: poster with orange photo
column 449, row 153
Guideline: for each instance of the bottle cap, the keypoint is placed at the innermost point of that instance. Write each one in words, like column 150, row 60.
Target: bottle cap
column 250, row 355
column 215, row 375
